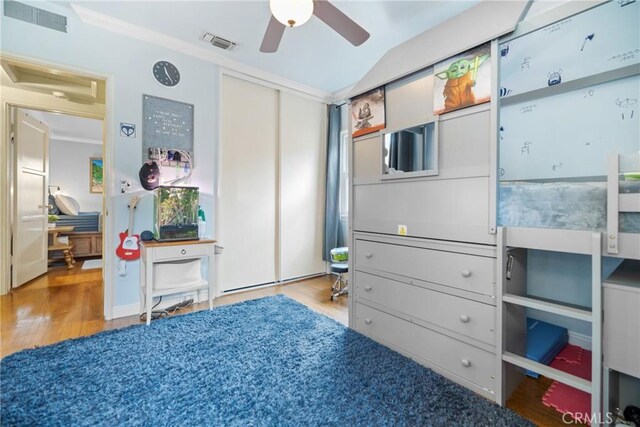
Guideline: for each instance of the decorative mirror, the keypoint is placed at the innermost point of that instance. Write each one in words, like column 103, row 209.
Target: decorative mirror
column 410, row 152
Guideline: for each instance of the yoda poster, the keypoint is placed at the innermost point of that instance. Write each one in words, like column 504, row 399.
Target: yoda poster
column 463, row 80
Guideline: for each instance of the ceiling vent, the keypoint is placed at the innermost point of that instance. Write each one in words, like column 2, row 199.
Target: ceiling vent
column 33, row 15
column 219, row 42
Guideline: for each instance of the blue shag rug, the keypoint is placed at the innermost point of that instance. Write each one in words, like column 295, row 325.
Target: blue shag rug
column 265, row 362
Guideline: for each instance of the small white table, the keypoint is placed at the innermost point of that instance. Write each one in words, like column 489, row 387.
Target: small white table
column 153, row 253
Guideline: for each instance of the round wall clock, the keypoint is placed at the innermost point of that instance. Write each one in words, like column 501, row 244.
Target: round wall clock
column 166, row 73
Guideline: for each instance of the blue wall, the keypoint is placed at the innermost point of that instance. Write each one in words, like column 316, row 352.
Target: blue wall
column 128, row 62
column 565, row 278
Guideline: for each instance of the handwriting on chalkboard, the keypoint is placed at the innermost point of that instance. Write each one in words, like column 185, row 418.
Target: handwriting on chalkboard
column 167, row 124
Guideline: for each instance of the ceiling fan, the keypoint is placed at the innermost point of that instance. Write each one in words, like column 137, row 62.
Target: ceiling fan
column 293, row 13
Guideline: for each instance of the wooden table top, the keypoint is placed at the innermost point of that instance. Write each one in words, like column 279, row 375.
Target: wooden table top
column 155, row 243
column 61, row 229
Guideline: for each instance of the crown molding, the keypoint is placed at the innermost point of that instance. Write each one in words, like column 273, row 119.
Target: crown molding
column 109, row 23
column 342, row 95
column 63, row 138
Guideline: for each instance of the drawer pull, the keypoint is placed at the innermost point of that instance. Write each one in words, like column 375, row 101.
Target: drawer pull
column 466, row 273
column 183, row 252
column 464, row 318
column 465, row 363
column 367, row 288
column 368, row 255
column 368, row 321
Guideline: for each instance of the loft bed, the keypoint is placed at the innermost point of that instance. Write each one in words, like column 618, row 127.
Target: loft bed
column 611, row 206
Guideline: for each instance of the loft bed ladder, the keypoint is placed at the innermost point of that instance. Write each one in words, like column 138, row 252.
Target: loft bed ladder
column 513, row 302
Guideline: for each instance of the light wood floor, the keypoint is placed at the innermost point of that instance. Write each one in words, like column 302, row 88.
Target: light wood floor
column 67, row 304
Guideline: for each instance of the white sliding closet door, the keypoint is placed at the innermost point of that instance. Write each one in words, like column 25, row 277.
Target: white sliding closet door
column 248, row 184
column 302, row 185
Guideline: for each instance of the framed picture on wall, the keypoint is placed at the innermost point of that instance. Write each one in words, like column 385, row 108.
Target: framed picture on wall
column 463, row 80
column 95, row 175
column 367, row 113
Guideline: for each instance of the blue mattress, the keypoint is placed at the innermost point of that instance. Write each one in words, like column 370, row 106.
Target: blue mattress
column 84, row 221
column 544, row 342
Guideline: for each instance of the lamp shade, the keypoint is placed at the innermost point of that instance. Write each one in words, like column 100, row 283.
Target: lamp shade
column 291, row 13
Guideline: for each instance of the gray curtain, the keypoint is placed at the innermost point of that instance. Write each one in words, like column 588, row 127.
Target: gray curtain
column 332, row 201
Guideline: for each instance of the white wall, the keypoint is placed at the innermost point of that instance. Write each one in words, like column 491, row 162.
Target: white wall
column 69, row 169
column 128, row 63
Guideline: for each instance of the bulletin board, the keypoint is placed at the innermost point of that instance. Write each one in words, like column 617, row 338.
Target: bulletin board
column 601, row 39
column 166, row 124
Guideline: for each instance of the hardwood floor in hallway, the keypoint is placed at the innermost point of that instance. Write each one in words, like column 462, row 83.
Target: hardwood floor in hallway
column 64, row 304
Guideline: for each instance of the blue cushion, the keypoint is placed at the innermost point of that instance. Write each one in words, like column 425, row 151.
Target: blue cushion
column 544, row 342
column 54, row 209
column 339, row 268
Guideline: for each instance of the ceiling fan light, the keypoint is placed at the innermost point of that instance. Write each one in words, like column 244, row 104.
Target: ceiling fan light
column 291, row 13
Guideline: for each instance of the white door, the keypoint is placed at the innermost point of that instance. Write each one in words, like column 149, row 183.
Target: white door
column 303, row 149
column 31, row 148
column 248, row 178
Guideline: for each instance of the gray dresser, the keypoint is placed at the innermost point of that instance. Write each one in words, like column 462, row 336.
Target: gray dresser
column 432, row 301
column 423, row 254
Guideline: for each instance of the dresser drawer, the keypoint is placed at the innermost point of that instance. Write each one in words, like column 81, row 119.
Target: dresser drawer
column 468, row 272
column 177, row 252
column 470, row 318
column 465, row 361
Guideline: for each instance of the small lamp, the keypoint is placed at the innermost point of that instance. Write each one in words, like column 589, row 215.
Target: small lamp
column 291, row 13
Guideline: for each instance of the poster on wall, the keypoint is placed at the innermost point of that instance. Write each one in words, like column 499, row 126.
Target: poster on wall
column 463, row 80
column 367, row 113
column 95, row 175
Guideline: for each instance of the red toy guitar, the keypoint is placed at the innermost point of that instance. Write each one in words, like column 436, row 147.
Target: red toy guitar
column 129, row 249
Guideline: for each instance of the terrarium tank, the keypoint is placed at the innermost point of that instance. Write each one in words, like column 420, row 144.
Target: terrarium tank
column 175, row 213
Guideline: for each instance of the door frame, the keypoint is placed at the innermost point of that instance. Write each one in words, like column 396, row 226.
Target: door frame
column 9, row 99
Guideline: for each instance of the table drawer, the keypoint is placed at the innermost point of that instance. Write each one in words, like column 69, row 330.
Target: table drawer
column 467, row 317
column 468, row 362
column 468, row 272
column 180, row 252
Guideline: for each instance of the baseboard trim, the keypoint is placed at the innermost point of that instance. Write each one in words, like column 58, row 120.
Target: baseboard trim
column 580, row 340
column 272, row 284
column 134, row 309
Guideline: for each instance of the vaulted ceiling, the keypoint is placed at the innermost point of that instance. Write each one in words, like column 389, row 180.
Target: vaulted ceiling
column 312, row 54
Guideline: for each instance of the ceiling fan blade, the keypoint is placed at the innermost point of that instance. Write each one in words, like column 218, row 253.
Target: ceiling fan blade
column 272, row 36
column 341, row 23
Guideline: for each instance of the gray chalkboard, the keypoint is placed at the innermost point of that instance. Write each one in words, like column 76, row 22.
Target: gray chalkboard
column 166, row 124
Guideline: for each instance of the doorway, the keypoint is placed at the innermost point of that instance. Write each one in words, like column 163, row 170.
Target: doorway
column 74, row 190
column 64, row 99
